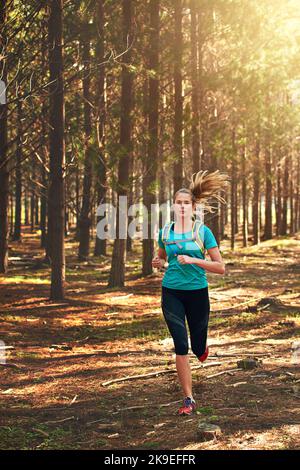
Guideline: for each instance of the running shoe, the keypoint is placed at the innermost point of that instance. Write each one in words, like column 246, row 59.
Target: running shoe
column 204, row 356
column 189, row 405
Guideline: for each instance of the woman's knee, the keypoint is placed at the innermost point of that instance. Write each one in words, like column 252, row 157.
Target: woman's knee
column 199, row 349
column 181, row 349
column 181, row 352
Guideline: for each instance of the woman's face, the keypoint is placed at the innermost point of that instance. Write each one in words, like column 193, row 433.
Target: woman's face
column 183, row 206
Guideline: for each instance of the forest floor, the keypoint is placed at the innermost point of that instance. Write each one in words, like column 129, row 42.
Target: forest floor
column 53, row 396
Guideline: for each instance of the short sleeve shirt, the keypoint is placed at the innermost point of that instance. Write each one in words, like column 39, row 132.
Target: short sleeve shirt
column 185, row 276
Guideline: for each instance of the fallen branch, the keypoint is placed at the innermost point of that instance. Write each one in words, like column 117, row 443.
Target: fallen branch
column 146, row 405
column 11, row 365
column 74, row 399
column 59, row 421
column 238, row 305
column 252, row 353
column 120, row 297
column 263, row 307
column 236, row 384
column 99, row 421
column 81, row 340
column 229, row 371
column 159, row 372
column 40, row 431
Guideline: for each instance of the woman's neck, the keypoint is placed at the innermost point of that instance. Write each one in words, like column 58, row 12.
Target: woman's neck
column 183, row 225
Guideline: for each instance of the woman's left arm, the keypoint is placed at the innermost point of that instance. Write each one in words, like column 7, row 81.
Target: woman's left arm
column 216, row 265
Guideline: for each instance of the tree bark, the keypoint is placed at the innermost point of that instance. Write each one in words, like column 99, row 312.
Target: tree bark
column 117, row 272
column 278, row 196
column 150, row 167
column 233, row 190
column 100, row 245
column 283, row 225
column 32, row 197
column 244, row 198
column 4, row 175
column 195, row 90
column 255, row 202
column 268, row 175
column 56, row 197
column 178, row 124
column 291, row 194
column 297, row 195
column 85, row 213
column 17, row 221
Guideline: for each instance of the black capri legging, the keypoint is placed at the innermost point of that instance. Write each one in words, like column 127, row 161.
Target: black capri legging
column 194, row 305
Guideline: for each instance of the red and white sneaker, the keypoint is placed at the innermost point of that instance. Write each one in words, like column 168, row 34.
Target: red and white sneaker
column 204, row 356
column 189, row 406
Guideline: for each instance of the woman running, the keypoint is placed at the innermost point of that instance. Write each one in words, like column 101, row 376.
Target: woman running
column 184, row 293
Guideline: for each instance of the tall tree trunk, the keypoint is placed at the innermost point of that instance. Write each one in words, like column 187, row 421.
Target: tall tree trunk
column 244, row 198
column 4, row 176
column 162, row 174
column 278, row 195
column 178, row 125
column 130, row 181
column 77, row 199
column 32, row 196
column 43, row 223
column 297, row 195
column 213, row 220
column 56, row 197
column 233, row 189
column 100, row 245
column 150, row 167
column 44, row 188
column 268, row 195
column 117, row 272
column 17, row 223
column 202, row 115
column 162, row 196
column 195, row 89
column 26, row 215
column 283, row 225
column 130, row 202
column 85, row 214
column 11, row 206
column 36, row 209
column 291, row 191
column 237, row 206
column 256, row 193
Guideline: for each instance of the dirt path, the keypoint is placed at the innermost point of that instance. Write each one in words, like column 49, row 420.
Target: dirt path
column 64, row 351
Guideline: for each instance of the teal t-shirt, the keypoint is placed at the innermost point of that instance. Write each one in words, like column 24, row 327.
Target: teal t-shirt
column 185, row 276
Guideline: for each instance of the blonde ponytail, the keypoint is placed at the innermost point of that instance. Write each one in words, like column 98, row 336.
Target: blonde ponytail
column 206, row 185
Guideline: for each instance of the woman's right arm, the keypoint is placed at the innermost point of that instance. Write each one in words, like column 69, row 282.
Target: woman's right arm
column 161, row 256
column 162, row 253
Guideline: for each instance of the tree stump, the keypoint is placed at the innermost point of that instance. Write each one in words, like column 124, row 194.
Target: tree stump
column 207, row 431
column 248, row 363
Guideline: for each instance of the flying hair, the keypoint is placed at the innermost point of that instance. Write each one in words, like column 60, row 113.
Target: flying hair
column 205, row 186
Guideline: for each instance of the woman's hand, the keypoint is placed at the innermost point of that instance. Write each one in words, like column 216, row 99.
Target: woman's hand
column 157, row 262
column 185, row 259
